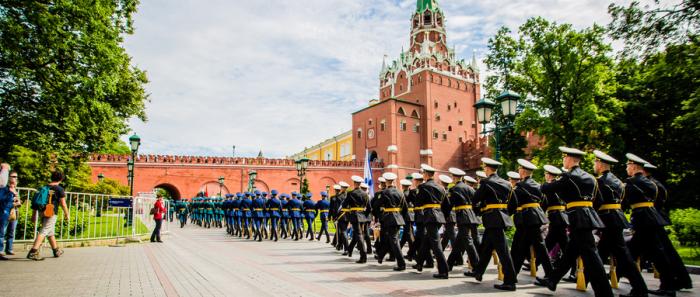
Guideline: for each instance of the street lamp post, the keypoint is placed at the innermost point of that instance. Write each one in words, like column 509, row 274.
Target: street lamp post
column 234, row 151
column 134, row 143
column 221, row 184
column 509, row 109
column 301, row 164
column 252, row 175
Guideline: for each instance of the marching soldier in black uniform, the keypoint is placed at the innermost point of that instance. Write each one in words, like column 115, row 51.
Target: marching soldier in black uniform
column 343, row 218
column 376, row 213
column 474, row 226
column 333, row 212
column 556, row 215
column 391, row 203
column 430, row 196
column 492, row 200
column 578, row 189
column 420, row 226
column 408, row 217
column 531, row 218
column 460, row 197
column 356, row 202
column 649, row 234
column 449, row 235
column 612, row 241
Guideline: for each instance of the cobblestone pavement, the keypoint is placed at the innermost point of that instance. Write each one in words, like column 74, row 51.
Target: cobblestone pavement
column 207, row 262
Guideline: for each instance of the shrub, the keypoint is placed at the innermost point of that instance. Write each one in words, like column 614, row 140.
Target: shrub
column 686, row 226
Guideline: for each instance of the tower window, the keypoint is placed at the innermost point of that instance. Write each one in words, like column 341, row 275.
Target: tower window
column 403, row 125
column 382, row 125
column 401, row 111
column 435, row 134
column 449, row 128
column 437, row 116
column 414, row 114
column 416, row 127
column 436, row 104
column 444, row 136
column 449, row 107
column 359, row 132
column 427, row 19
column 369, row 122
column 461, row 122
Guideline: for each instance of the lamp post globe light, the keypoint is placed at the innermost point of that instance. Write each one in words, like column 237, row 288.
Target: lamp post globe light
column 100, row 178
column 301, row 164
column 134, row 143
column 509, row 109
column 221, row 184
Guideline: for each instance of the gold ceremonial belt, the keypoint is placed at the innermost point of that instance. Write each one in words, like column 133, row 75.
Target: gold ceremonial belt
column 258, row 209
column 431, row 206
column 323, row 210
column 311, row 210
column 527, row 205
column 344, row 210
column 411, row 209
column 357, row 209
column 394, row 209
column 556, row 207
column 418, row 208
column 296, row 209
column 610, row 206
column 494, row 206
column 579, row 204
column 642, row 204
column 466, row 206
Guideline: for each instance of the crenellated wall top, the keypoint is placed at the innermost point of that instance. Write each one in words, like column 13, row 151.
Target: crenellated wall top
column 209, row 160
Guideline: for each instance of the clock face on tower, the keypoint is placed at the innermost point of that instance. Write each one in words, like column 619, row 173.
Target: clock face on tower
column 370, row 133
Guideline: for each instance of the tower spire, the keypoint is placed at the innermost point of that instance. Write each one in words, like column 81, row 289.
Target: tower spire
column 422, row 5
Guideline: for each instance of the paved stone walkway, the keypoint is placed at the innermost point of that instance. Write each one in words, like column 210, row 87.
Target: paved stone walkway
column 199, row 262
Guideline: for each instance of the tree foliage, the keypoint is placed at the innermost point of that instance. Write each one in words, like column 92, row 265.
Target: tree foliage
column 67, row 86
column 566, row 81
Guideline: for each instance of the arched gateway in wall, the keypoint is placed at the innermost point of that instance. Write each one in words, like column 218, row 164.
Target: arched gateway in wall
column 184, row 176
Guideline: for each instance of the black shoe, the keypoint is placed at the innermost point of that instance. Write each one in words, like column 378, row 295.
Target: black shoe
column 418, row 267
column 408, row 258
column 361, row 261
column 441, row 276
column 634, row 294
column 661, row 292
column 345, row 253
column 544, row 282
column 349, row 254
column 505, row 287
column 473, row 274
column 400, row 268
column 430, row 265
column 391, row 260
column 379, row 260
column 159, row 240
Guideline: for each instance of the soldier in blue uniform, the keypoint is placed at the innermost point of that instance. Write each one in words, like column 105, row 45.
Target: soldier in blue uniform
column 295, row 208
column 612, row 240
column 322, row 209
column 236, row 207
column 284, row 219
column 274, row 208
column 309, row 216
column 266, row 216
column 246, row 214
column 257, row 205
column 578, row 189
column 650, row 239
column 460, row 198
column 492, row 198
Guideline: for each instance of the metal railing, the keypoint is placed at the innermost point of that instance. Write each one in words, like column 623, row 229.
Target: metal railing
column 91, row 217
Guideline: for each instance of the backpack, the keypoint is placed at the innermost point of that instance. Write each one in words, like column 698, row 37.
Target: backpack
column 41, row 198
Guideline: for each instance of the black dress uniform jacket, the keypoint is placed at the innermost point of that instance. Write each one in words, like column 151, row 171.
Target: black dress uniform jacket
column 661, row 198
column 342, row 216
column 447, row 211
column 391, row 198
column 413, row 198
column 357, row 199
column 462, row 194
column 556, row 217
column 573, row 186
column 334, row 206
column 611, row 190
column 408, row 209
column 528, row 191
column 640, row 189
column 431, row 193
column 493, row 190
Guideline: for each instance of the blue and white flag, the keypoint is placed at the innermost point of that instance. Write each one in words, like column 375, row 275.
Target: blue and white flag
column 368, row 174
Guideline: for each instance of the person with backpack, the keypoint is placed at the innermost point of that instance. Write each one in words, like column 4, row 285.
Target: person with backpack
column 158, row 212
column 44, row 203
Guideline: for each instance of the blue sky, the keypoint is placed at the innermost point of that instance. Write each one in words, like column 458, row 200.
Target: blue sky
column 279, row 75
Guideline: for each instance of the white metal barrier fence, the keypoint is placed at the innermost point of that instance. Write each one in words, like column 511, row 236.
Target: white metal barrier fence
column 91, row 217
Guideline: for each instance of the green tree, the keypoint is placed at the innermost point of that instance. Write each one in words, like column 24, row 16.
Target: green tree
column 565, row 77
column 67, row 86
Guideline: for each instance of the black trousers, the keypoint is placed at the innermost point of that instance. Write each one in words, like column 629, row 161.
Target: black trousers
column 342, row 230
column 418, row 243
column 463, row 242
column 495, row 239
column 155, row 236
column 449, row 236
column 390, row 244
column 407, row 236
column 431, row 242
column 612, row 243
column 358, row 239
column 368, row 239
column 647, row 242
column 682, row 277
column 581, row 243
column 524, row 238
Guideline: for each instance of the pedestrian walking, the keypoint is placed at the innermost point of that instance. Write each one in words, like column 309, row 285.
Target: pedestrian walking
column 158, row 211
column 56, row 195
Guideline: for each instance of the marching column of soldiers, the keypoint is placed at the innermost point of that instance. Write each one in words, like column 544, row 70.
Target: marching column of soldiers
column 573, row 222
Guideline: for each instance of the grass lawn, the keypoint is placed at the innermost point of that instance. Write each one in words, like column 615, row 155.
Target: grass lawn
column 690, row 255
column 108, row 225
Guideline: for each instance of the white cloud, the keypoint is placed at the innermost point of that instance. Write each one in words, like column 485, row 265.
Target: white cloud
column 280, row 75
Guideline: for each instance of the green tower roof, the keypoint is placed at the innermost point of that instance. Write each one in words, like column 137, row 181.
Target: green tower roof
column 422, row 5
